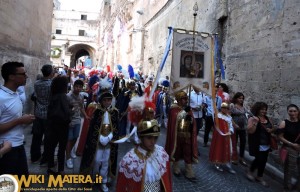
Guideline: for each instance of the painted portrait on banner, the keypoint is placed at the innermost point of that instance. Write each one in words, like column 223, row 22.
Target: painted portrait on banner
column 187, row 68
column 191, row 62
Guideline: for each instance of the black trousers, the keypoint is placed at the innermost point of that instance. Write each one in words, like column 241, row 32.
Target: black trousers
column 14, row 162
column 38, row 129
column 260, row 162
column 242, row 135
column 209, row 123
column 199, row 124
column 57, row 134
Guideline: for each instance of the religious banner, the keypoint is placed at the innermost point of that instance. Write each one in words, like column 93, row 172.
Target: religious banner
column 191, row 61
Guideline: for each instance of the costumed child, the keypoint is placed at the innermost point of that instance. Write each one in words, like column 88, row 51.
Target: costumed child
column 145, row 167
column 100, row 154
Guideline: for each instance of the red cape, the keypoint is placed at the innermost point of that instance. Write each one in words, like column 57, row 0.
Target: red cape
column 128, row 184
column 172, row 133
column 85, row 128
column 220, row 145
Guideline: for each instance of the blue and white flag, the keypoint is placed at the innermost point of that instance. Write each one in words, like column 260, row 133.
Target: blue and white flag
column 162, row 64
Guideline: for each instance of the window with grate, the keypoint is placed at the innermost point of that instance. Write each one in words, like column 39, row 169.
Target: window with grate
column 81, row 32
column 83, row 17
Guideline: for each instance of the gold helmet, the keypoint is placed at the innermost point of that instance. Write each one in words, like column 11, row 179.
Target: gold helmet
column 224, row 105
column 148, row 128
column 180, row 94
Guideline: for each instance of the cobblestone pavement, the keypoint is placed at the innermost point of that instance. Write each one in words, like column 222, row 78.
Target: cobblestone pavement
column 208, row 178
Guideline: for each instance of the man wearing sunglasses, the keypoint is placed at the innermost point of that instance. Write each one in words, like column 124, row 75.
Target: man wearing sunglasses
column 11, row 119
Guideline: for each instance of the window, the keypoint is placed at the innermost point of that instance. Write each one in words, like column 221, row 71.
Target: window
column 58, row 31
column 83, row 17
column 81, row 32
column 130, row 43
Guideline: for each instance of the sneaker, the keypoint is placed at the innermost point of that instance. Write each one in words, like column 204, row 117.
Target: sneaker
column 234, row 162
column 250, row 177
column 243, row 162
column 36, row 161
column 104, row 188
column 73, row 153
column 70, row 163
column 261, row 181
column 231, row 171
column 44, row 163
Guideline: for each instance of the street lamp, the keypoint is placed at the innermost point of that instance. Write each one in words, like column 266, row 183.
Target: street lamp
column 195, row 8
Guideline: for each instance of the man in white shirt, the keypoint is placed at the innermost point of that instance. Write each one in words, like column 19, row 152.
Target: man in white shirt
column 11, row 119
column 209, row 120
column 197, row 104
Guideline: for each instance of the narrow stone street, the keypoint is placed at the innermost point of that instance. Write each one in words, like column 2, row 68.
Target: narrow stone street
column 208, row 178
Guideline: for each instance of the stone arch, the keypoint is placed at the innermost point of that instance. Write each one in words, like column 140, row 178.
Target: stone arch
column 78, row 50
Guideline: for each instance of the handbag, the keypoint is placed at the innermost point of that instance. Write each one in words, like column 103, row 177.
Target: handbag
column 273, row 143
column 283, row 152
column 273, row 140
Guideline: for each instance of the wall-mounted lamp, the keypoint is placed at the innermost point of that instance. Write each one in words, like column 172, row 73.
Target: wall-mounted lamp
column 140, row 11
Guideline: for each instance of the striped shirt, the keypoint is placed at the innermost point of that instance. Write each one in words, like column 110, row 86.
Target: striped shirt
column 42, row 90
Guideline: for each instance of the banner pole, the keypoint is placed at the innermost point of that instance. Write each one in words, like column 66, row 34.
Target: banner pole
column 213, row 91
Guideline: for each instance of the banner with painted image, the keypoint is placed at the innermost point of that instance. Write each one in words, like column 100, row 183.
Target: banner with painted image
column 191, row 61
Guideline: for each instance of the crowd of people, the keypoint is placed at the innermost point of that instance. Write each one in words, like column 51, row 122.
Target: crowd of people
column 102, row 110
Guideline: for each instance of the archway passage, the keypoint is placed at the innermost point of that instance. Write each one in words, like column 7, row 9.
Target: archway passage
column 79, row 50
column 80, row 53
column 81, row 57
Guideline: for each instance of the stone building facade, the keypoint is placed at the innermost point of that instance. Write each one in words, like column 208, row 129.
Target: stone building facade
column 25, row 35
column 260, row 41
column 74, row 34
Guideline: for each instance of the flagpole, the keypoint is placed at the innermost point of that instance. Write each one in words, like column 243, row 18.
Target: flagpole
column 213, row 91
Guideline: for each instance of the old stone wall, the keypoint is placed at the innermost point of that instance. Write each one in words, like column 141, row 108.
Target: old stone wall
column 25, row 34
column 259, row 40
column 176, row 14
column 259, row 43
column 262, row 52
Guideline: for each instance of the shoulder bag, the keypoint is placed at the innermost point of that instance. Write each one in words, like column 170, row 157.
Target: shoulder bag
column 283, row 152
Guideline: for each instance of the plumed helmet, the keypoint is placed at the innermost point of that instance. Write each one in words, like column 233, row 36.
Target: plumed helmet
column 130, row 82
column 165, row 83
column 148, row 128
column 105, row 95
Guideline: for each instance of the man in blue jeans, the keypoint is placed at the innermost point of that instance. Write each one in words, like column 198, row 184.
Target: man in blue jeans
column 42, row 93
column 76, row 100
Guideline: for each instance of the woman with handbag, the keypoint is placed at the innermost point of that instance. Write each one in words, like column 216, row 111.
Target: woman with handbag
column 259, row 140
column 238, row 114
column 289, row 135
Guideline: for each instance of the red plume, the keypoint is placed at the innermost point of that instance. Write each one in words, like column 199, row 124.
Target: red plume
column 108, row 68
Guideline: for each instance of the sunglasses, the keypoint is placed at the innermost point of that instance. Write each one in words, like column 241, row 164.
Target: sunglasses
column 24, row 74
